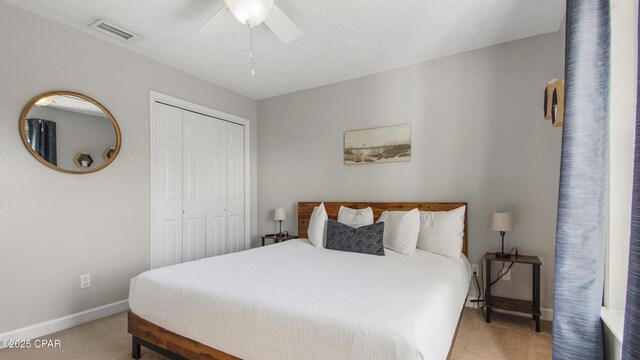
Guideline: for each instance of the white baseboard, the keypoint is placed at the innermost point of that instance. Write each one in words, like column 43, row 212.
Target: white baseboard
column 547, row 314
column 65, row 322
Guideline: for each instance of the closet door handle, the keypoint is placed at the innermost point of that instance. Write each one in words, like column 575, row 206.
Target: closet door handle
column 184, row 211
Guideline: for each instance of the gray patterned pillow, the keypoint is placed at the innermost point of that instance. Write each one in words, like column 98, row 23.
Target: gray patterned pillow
column 365, row 239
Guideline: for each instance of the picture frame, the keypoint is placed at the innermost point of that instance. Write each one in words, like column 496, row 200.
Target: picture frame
column 387, row 144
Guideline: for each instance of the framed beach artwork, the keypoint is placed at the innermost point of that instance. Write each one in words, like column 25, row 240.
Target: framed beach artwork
column 377, row 145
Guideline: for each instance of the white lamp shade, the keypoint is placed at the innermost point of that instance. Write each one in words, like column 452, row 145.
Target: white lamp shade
column 502, row 222
column 250, row 12
column 280, row 214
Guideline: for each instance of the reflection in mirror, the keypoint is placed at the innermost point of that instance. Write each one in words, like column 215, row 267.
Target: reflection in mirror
column 69, row 132
column 109, row 152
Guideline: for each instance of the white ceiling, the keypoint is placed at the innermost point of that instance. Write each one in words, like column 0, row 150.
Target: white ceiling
column 342, row 39
column 77, row 105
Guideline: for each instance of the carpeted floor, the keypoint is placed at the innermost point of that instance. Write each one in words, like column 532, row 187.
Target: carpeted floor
column 507, row 337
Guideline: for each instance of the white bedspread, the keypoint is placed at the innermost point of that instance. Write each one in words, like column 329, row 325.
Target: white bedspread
column 294, row 301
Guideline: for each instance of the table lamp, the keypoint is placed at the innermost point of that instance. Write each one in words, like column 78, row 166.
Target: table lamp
column 502, row 222
column 280, row 215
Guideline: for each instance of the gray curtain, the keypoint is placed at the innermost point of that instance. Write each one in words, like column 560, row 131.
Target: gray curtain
column 631, row 337
column 42, row 138
column 582, row 202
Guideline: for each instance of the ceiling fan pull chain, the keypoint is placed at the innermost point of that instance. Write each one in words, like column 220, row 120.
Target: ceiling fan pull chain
column 253, row 70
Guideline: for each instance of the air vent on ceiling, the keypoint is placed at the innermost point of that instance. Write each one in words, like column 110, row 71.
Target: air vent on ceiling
column 113, row 30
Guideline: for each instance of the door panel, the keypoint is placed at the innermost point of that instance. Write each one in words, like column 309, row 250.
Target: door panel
column 191, row 238
column 170, row 251
column 235, row 184
column 216, row 187
column 199, row 183
column 173, row 167
column 194, row 185
column 233, row 245
column 167, row 177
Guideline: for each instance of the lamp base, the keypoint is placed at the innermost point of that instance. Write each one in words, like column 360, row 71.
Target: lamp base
column 503, row 255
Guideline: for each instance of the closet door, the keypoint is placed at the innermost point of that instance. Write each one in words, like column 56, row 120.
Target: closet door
column 167, row 177
column 194, row 175
column 198, row 186
column 235, row 188
column 216, row 187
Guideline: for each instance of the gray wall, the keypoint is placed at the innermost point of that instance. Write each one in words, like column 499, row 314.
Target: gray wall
column 478, row 136
column 55, row 226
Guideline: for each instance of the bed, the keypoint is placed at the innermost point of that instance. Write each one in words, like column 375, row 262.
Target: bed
column 294, row 301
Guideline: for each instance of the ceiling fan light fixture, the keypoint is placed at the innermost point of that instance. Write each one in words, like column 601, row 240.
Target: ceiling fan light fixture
column 250, row 12
column 45, row 101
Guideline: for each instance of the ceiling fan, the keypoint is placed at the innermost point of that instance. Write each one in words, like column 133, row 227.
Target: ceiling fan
column 253, row 13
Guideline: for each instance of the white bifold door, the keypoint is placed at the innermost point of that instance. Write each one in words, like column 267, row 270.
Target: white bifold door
column 198, row 175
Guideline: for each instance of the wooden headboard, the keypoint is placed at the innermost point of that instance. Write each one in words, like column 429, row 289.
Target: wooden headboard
column 306, row 208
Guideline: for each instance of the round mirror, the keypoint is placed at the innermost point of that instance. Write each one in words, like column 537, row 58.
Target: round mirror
column 70, row 132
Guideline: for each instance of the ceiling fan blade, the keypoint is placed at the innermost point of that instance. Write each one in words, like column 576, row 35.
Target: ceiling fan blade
column 282, row 26
column 217, row 22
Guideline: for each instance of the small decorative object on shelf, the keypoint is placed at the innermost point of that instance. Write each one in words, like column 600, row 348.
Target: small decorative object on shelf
column 83, row 159
column 109, row 152
column 502, row 222
column 276, row 238
column 280, row 215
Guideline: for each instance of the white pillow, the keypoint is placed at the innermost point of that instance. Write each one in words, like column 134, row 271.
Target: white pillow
column 317, row 231
column 355, row 217
column 441, row 232
column 401, row 230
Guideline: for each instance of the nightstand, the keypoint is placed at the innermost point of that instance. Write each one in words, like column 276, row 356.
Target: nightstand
column 523, row 306
column 276, row 239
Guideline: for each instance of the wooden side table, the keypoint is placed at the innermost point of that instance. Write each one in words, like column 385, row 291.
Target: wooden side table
column 276, row 239
column 524, row 306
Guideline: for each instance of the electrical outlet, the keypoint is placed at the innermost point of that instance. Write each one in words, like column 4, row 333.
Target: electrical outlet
column 507, row 276
column 85, row 281
column 475, row 268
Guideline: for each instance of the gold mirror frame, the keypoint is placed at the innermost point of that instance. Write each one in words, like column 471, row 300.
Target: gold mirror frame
column 25, row 140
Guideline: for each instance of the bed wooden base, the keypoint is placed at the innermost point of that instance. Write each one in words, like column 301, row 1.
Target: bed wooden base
column 168, row 343
column 178, row 347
